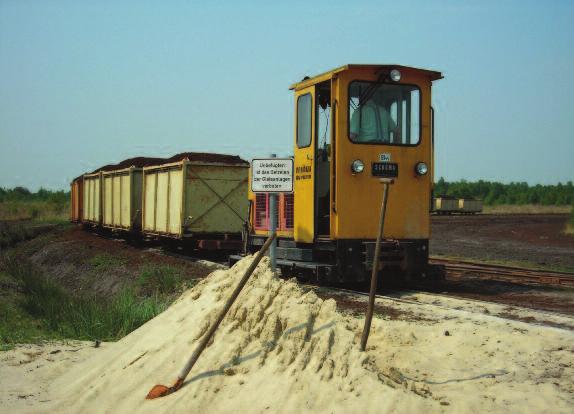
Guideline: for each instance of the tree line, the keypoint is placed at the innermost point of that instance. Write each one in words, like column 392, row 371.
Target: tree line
column 23, row 194
column 492, row 192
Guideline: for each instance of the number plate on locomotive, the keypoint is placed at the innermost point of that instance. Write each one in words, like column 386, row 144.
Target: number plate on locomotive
column 385, row 169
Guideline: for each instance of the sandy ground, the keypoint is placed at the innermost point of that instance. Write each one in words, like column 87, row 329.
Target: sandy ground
column 27, row 371
column 283, row 349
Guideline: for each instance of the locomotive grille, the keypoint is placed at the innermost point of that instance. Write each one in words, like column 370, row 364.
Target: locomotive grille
column 288, row 208
column 261, row 211
column 285, row 207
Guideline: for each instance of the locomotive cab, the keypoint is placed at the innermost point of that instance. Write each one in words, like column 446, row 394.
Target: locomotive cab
column 354, row 125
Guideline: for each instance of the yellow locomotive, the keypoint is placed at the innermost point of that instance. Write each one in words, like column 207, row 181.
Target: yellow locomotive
column 354, row 125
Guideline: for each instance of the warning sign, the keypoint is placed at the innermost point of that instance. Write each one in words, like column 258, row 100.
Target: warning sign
column 272, row 175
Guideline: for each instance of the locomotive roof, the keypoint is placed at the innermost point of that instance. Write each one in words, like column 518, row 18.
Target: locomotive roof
column 433, row 75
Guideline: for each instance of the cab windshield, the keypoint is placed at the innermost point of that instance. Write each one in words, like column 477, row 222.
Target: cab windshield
column 381, row 113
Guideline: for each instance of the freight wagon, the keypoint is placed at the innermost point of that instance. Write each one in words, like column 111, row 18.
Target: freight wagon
column 76, row 199
column 198, row 198
column 469, row 206
column 445, row 205
column 92, row 205
column 122, row 199
column 452, row 205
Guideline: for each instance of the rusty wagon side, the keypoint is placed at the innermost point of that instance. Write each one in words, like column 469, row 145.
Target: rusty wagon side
column 76, row 199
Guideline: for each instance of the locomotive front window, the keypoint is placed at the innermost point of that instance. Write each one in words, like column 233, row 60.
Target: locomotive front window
column 382, row 113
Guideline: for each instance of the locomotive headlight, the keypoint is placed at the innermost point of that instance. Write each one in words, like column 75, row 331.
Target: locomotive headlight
column 357, row 166
column 421, row 168
column 395, row 75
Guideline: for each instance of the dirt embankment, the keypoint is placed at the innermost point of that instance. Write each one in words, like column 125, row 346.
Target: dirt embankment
column 84, row 262
column 81, row 261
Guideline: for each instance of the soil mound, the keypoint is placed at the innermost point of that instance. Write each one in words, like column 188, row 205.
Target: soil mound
column 137, row 162
column 208, row 157
column 140, row 162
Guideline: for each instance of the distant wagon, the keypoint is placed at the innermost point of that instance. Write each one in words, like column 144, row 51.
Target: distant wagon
column 76, row 199
column 92, row 194
column 445, row 205
column 197, row 197
column 112, row 195
column 469, row 206
column 453, row 205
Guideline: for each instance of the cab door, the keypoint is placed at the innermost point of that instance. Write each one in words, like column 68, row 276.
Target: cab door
column 304, row 226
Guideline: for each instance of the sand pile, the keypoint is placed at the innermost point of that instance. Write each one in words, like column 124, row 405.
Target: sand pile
column 280, row 349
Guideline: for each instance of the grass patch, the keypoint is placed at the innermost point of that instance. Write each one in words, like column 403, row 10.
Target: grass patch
column 162, row 279
column 106, row 262
column 37, row 210
column 15, row 326
column 39, row 309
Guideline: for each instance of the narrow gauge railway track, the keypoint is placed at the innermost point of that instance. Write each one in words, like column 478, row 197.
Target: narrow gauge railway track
column 395, row 292
column 457, row 269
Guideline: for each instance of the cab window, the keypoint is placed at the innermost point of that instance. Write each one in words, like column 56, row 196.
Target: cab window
column 381, row 113
column 304, row 116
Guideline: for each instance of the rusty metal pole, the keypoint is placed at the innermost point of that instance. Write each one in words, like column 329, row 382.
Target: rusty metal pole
column 376, row 262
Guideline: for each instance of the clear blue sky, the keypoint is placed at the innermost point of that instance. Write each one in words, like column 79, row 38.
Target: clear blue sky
column 86, row 83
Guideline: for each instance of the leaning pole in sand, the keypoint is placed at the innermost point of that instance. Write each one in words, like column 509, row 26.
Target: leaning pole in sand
column 376, row 262
column 162, row 390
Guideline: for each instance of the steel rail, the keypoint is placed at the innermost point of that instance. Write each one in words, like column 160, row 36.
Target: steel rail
column 459, row 269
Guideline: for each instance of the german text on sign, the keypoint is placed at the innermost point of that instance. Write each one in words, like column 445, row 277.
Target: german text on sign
column 272, row 175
